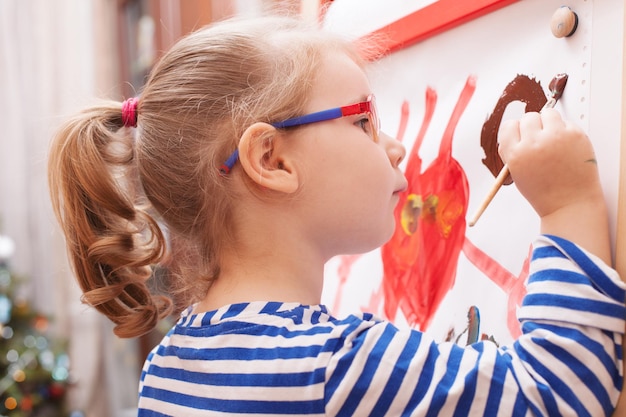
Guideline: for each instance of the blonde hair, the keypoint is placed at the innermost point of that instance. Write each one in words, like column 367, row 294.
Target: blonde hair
column 113, row 194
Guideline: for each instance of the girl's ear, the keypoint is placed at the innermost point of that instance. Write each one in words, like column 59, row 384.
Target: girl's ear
column 265, row 160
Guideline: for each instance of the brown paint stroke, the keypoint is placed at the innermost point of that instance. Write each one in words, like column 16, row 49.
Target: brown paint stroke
column 522, row 88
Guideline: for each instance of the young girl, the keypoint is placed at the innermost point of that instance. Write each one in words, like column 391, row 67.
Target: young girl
column 257, row 156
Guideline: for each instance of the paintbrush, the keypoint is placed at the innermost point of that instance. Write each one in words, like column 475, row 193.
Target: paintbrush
column 556, row 87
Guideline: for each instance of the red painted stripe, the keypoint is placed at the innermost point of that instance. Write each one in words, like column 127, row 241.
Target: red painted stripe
column 429, row 21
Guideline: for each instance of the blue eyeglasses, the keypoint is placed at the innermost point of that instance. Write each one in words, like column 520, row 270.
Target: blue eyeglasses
column 365, row 107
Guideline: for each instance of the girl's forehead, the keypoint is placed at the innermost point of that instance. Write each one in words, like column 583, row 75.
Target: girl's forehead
column 339, row 81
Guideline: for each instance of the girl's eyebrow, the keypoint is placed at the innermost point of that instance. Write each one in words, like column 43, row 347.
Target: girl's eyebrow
column 361, row 98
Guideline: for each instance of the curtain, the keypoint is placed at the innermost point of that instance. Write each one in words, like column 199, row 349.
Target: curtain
column 56, row 56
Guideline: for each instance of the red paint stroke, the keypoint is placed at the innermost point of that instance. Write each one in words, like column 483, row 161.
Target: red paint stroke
column 404, row 121
column 513, row 286
column 420, row 260
column 398, row 253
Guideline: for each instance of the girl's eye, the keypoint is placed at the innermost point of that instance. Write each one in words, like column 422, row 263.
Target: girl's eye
column 365, row 125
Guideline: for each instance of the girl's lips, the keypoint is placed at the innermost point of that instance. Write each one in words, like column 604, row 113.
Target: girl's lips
column 401, row 187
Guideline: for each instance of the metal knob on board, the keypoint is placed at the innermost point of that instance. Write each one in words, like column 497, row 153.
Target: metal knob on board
column 564, row 22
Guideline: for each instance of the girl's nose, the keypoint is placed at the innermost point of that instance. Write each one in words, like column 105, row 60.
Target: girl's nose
column 394, row 148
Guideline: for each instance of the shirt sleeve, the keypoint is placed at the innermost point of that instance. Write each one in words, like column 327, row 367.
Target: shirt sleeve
column 567, row 361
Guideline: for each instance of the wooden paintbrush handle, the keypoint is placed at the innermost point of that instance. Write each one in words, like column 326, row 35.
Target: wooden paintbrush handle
column 504, row 172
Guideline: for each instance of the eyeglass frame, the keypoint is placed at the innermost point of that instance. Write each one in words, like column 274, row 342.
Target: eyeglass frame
column 364, row 107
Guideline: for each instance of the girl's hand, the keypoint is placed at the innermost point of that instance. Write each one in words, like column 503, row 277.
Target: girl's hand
column 554, row 166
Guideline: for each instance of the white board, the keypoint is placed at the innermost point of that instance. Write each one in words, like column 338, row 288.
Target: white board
column 493, row 50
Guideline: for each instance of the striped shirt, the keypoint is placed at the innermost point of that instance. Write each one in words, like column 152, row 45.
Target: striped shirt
column 279, row 359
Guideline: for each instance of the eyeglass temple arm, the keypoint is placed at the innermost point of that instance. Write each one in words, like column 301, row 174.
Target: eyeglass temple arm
column 319, row 116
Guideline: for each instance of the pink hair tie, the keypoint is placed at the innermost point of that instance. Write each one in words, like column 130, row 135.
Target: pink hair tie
column 129, row 112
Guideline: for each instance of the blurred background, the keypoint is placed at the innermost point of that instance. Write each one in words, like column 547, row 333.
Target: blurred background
column 57, row 356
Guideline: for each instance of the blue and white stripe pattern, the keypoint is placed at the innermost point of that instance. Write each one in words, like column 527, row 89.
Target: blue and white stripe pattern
column 269, row 359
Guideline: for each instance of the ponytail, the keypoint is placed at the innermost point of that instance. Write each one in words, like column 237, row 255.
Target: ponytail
column 111, row 237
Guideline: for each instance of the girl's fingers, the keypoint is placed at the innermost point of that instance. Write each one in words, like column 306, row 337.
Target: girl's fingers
column 530, row 125
column 508, row 136
column 552, row 118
